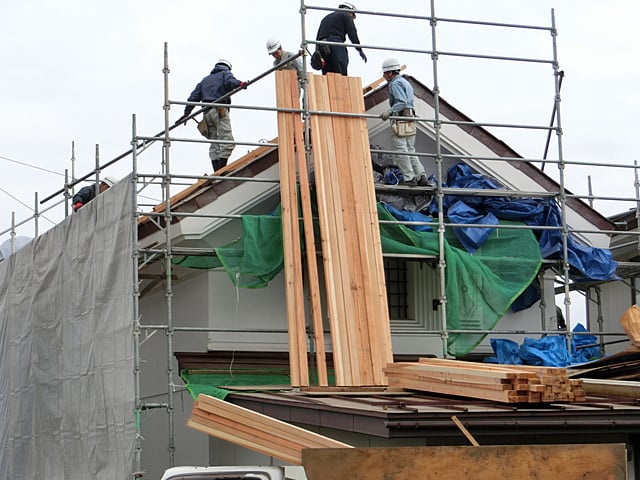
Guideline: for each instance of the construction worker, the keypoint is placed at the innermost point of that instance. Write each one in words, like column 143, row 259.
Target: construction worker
column 88, row 193
column 274, row 48
column 335, row 27
column 218, row 83
column 403, row 132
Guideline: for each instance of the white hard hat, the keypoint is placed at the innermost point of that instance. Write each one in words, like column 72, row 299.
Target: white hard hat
column 347, row 6
column 224, row 62
column 390, row 65
column 111, row 181
column 273, row 44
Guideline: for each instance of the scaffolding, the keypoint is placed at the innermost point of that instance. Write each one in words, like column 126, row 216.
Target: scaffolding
column 167, row 179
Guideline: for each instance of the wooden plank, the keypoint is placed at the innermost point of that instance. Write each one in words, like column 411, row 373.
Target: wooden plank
column 421, row 367
column 254, row 430
column 464, row 391
column 524, row 462
column 356, row 342
column 330, row 219
column 310, row 245
column 380, row 329
column 291, row 235
column 464, row 430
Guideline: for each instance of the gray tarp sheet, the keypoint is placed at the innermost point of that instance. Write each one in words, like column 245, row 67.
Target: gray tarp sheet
column 66, row 361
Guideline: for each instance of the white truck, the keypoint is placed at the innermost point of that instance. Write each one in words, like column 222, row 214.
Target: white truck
column 253, row 472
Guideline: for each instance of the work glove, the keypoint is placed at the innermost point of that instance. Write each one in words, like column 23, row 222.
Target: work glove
column 182, row 119
column 363, row 56
column 386, row 115
column 243, row 85
column 76, row 206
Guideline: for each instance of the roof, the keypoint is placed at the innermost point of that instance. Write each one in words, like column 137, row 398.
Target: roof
column 406, row 414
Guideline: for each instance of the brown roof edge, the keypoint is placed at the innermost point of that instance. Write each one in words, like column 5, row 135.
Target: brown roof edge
column 495, row 145
column 204, row 191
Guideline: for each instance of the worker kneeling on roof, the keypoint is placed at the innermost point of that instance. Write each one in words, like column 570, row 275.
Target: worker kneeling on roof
column 88, row 193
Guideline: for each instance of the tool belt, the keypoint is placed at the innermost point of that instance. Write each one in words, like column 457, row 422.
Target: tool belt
column 404, row 128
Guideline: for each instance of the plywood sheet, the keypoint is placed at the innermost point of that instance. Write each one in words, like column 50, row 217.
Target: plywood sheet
column 522, row 462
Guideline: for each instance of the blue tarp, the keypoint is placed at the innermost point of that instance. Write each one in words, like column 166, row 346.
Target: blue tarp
column 587, row 263
column 549, row 351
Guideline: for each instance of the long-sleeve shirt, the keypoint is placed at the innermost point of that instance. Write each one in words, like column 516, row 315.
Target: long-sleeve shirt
column 218, row 83
column 400, row 94
column 293, row 65
column 336, row 26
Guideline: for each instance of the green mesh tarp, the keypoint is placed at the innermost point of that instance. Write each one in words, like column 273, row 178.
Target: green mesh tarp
column 210, row 382
column 251, row 261
column 479, row 287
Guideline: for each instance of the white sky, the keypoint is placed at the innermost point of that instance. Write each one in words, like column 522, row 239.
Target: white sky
column 76, row 71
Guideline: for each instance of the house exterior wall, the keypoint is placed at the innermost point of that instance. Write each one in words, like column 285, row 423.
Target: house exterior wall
column 190, row 309
column 615, row 299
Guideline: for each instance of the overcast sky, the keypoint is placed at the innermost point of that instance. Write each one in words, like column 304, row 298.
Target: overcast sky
column 76, row 71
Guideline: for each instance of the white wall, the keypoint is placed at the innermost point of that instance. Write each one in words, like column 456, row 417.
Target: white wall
column 190, row 308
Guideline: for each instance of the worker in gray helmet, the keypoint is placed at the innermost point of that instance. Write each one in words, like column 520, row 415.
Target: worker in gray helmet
column 88, row 193
column 280, row 56
column 403, row 131
column 335, row 27
column 210, row 89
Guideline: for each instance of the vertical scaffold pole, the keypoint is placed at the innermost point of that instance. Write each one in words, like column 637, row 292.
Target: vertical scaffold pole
column 439, row 192
column 166, row 189
column 135, row 291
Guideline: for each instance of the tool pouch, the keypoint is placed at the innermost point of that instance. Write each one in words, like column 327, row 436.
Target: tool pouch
column 404, row 128
column 203, row 128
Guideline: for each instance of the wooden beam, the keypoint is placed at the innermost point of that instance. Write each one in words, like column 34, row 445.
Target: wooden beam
column 255, row 431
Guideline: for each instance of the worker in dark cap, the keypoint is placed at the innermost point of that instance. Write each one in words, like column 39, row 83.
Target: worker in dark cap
column 212, row 87
column 335, row 27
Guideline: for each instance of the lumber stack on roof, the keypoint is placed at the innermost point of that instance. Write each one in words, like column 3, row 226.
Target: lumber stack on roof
column 502, row 383
column 355, row 287
column 254, row 430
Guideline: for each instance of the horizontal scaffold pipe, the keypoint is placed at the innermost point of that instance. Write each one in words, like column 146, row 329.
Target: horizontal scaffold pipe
column 160, row 135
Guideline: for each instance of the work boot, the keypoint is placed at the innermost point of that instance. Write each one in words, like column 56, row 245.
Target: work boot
column 219, row 163
column 409, row 183
column 423, row 182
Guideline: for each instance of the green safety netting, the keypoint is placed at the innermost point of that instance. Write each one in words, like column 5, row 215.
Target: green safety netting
column 213, row 382
column 479, row 287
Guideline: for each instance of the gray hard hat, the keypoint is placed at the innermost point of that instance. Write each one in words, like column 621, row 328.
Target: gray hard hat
column 347, row 6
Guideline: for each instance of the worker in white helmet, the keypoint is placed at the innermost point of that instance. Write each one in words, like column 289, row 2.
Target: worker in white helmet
column 403, row 131
column 335, row 27
column 274, row 48
column 88, row 193
column 210, row 89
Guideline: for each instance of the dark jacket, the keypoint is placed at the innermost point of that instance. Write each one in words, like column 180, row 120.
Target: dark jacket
column 218, row 83
column 336, row 26
column 84, row 195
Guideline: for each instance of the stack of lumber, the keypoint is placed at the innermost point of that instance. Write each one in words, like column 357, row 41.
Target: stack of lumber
column 502, row 383
column 355, row 287
column 255, row 431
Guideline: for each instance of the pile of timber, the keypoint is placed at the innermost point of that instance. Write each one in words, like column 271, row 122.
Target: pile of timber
column 502, row 383
column 254, row 430
column 356, row 297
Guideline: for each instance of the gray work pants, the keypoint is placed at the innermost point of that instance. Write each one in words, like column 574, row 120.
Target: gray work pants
column 219, row 122
column 409, row 165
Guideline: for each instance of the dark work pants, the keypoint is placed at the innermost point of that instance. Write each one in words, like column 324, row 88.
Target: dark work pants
column 337, row 61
